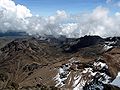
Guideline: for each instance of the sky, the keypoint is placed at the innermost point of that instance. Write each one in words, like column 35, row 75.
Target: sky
column 72, row 18
column 49, row 7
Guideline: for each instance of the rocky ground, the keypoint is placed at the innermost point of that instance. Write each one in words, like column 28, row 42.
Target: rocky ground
column 49, row 63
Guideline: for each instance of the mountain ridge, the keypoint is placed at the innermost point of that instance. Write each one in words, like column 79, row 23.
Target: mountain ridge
column 44, row 62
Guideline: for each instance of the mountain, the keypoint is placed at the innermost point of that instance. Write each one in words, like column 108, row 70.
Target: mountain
column 49, row 63
column 12, row 33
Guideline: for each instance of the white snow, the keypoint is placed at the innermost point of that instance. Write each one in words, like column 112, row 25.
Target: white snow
column 61, row 70
column 78, row 87
column 116, row 81
column 64, row 71
column 106, row 80
column 87, row 70
column 78, row 83
column 96, row 86
column 80, row 78
column 77, row 79
column 100, row 64
column 107, row 47
column 110, row 42
column 58, row 80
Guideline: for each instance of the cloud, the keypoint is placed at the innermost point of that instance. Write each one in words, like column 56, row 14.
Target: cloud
column 117, row 14
column 108, row 1
column 117, row 4
column 59, row 16
column 19, row 18
column 19, row 11
column 12, row 16
column 114, row 3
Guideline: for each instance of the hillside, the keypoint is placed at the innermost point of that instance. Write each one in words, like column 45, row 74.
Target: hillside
column 49, row 63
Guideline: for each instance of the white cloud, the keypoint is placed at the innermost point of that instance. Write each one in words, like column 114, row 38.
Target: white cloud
column 19, row 11
column 118, row 4
column 108, row 1
column 114, row 3
column 117, row 14
column 60, row 15
column 22, row 11
column 18, row 18
column 99, row 13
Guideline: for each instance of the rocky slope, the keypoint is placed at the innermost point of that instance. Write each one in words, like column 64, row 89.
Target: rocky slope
column 49, row 63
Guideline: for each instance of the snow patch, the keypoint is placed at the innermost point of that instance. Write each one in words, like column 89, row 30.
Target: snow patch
column 100, row 64
column 107, row 47
column 62, row 75
column 97, row 71
column 116, row 81
column 110, row 43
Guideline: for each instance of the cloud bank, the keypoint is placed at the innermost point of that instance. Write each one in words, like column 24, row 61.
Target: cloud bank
column 19, row 18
